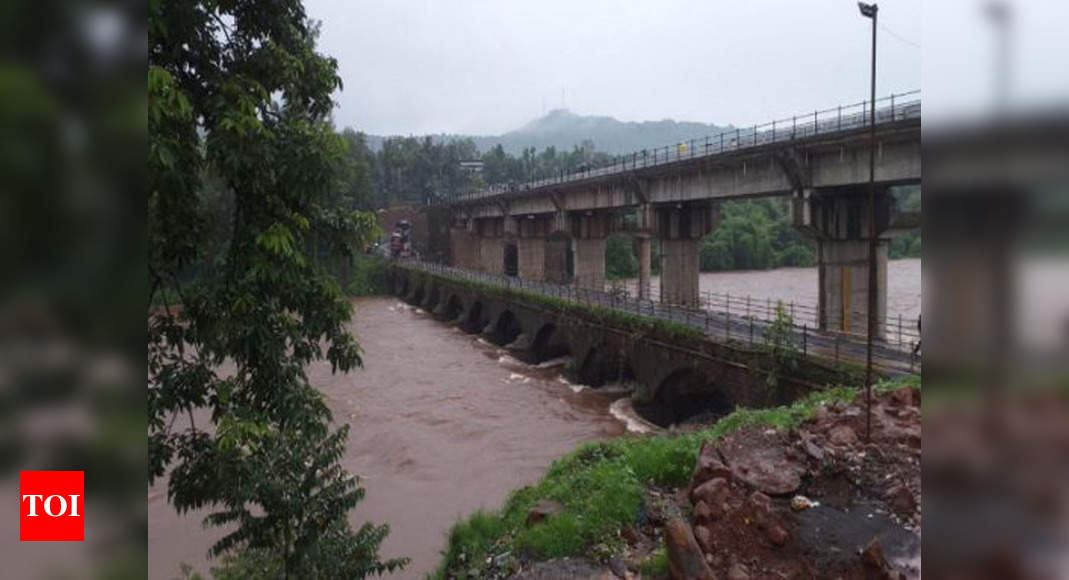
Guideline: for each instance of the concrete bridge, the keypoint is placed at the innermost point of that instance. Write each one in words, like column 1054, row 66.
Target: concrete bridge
column 555, row 229
column 676, row 375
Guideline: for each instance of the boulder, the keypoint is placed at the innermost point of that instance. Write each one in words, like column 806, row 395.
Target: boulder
column 777, row 535
column 703, row 514
column 872, row 555
column 542, row 510
column 760, row 461
column 841, row 435
column 738, row 572
column 713, row 492
column 906, row 397
column 685, row 559
column 901, row 500
column 704, row 538
column 709, row 466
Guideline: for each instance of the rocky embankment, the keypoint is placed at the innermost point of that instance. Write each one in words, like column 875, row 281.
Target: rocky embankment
column 819, row 501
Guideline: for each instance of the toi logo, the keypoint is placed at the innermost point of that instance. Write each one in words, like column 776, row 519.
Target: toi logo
column 51, row 506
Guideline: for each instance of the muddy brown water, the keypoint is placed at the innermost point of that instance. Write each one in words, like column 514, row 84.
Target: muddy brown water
column 444, row 423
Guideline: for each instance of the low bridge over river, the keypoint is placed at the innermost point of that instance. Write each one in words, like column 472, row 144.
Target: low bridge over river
column 719, row 363
column 554, row 230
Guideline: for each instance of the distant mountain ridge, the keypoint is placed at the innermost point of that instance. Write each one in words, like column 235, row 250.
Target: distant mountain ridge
column 564, row 130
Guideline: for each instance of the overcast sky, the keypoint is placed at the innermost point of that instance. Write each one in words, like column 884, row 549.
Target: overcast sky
column 488, row 66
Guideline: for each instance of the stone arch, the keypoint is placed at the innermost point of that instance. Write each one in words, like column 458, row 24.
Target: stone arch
column 548, row 344
column 601, row 365
column 560, row 258
column 683, row 394
column 454, row 308
column 473, row 321
column 506, row 329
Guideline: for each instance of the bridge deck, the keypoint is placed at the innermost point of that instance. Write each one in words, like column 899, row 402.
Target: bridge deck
column 893, row 358
column 826, row 123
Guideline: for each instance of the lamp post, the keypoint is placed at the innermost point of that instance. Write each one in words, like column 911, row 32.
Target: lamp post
column 870, row 11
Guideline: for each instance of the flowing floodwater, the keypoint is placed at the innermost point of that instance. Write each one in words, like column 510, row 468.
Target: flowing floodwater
column 444, row 423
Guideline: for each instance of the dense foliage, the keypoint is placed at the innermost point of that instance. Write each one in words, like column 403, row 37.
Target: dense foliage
column 246, row 211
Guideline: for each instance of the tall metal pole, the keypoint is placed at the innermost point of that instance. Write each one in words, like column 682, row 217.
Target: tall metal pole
column 871, row 11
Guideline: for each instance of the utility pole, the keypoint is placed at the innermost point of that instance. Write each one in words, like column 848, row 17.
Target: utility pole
column 870, row 11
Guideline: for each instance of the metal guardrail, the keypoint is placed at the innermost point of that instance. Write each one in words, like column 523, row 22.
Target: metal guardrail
column 719, row 316
column 896, row 107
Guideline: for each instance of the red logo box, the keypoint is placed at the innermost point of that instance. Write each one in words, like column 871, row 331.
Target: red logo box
column 51, row 506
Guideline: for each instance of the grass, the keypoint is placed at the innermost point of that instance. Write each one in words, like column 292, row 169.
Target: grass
column 601, row 487
column 655, row 565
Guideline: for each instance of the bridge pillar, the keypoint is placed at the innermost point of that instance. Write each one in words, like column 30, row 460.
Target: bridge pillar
column 589, row 231
column 644, row 267
column 838, row 219
column 532, row 233
column 490, row 245
column 680, row 227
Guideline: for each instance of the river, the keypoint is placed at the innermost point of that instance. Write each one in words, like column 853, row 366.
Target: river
column 800, row 285
column 444, row 423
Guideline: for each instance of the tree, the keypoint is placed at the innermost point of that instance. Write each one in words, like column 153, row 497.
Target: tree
column 239, row 98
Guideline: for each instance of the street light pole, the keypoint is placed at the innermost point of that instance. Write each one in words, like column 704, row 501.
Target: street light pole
column 870, row 11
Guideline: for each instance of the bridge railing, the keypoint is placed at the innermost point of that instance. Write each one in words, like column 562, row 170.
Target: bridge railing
column 895, row 107
column 738, row 318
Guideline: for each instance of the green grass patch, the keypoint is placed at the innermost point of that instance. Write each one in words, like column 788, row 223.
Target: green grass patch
column 655, row 565
column 601, row 485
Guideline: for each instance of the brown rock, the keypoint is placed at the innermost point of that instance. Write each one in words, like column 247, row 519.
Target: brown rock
column 685, row 559
column 738, row 572
column 873, row 556
column 901, row 501
column 713, row 492
column 542, row 510
column 630, row 534
column 777, row 535
column 704, row 538
column 906, row 397
column 761, row 505
column 703, row 514
column 842, row 435
column 759, row 460
column 812, row 449
column 709, row 466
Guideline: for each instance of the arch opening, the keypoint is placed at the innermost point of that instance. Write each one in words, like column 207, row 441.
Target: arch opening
column 507, row 329
column 602, row 366
column 433, row 298
column 453, row 308
column 685, row 396
column 548, row 344
column 417, row 295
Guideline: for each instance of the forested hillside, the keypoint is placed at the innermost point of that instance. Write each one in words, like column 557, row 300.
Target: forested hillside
column 562, row 129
